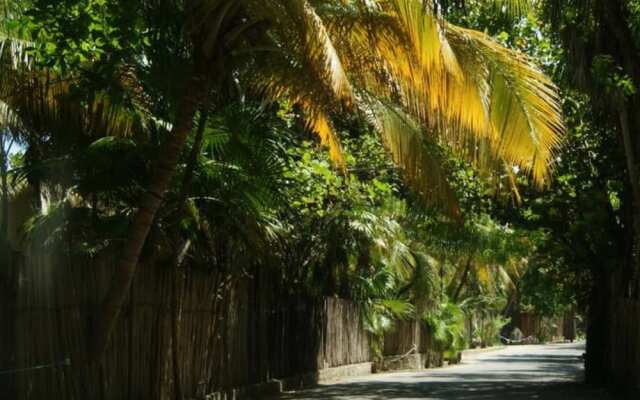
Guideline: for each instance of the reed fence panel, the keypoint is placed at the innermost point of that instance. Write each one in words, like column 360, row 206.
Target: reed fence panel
column 223, row 333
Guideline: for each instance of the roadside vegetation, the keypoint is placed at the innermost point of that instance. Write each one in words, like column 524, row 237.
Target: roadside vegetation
column 456, row 163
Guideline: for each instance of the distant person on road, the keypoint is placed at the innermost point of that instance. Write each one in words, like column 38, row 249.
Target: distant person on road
column 516, row 335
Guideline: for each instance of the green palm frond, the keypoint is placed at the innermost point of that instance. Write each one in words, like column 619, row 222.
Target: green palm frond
column 244, row 163
column 514, row 7
column 399, row 309
column 423, row 283
column 447, row 326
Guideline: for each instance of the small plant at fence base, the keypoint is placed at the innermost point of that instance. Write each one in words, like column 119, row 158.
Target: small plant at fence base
column 446, row 323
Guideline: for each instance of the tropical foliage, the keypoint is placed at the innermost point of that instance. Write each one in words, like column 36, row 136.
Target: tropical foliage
column 177, row 132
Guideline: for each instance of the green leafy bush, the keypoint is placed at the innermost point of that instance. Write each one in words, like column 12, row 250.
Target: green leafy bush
column 446, row 323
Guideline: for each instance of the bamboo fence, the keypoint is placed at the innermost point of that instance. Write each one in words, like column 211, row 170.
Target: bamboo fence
column 223, row 333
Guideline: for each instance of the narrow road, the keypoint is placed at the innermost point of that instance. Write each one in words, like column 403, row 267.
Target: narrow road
column 545, row 372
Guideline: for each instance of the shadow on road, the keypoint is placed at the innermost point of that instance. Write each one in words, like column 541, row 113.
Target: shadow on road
column 536, row 372
column 476, row 390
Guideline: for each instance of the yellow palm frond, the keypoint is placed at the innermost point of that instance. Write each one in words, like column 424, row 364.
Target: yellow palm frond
column 459, row 88
column 306, row 69
column 421, row 161
column 322, row 51
column 424, row 37
column 303, row 36
column 319, row 123
column 523, row 104
column 284, row 80
column 488, row 103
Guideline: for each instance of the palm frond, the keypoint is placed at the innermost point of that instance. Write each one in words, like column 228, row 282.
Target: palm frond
column 45, row 103
column 319, row 49
column 319, row 122
column 397, row 308
column 425, row 37
column 514, row 7
column 420, row 159
column 490, row 104
column 306, row 69
column 523, row 107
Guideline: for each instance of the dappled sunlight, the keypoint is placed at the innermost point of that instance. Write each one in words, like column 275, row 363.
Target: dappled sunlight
column 387, row 199
column 519, row 372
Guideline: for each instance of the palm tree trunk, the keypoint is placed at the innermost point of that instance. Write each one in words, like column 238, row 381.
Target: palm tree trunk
column 629, row 151
column 4, row 200
column 596, row 366
column 141, row 224
column 193, row 156
column 442, row 262
column 179, row 274
column 463, row 279
column 179, row 277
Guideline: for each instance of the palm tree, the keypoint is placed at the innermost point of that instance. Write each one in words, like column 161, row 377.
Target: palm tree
column 8, row 118
column 6, row 145
column 422, row 83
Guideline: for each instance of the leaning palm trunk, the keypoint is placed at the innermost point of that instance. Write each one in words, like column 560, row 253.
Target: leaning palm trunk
column 149, row 204
column 179, row 275
column 4, row 195
column 463, row 279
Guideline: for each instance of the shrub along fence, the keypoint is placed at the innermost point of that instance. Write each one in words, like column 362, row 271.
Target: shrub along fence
column 223, row 333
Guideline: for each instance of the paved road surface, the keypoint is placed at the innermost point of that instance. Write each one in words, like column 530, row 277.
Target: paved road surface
column 546, row 372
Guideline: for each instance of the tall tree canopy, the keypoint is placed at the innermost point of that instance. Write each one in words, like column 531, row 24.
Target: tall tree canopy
column 149, row 68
